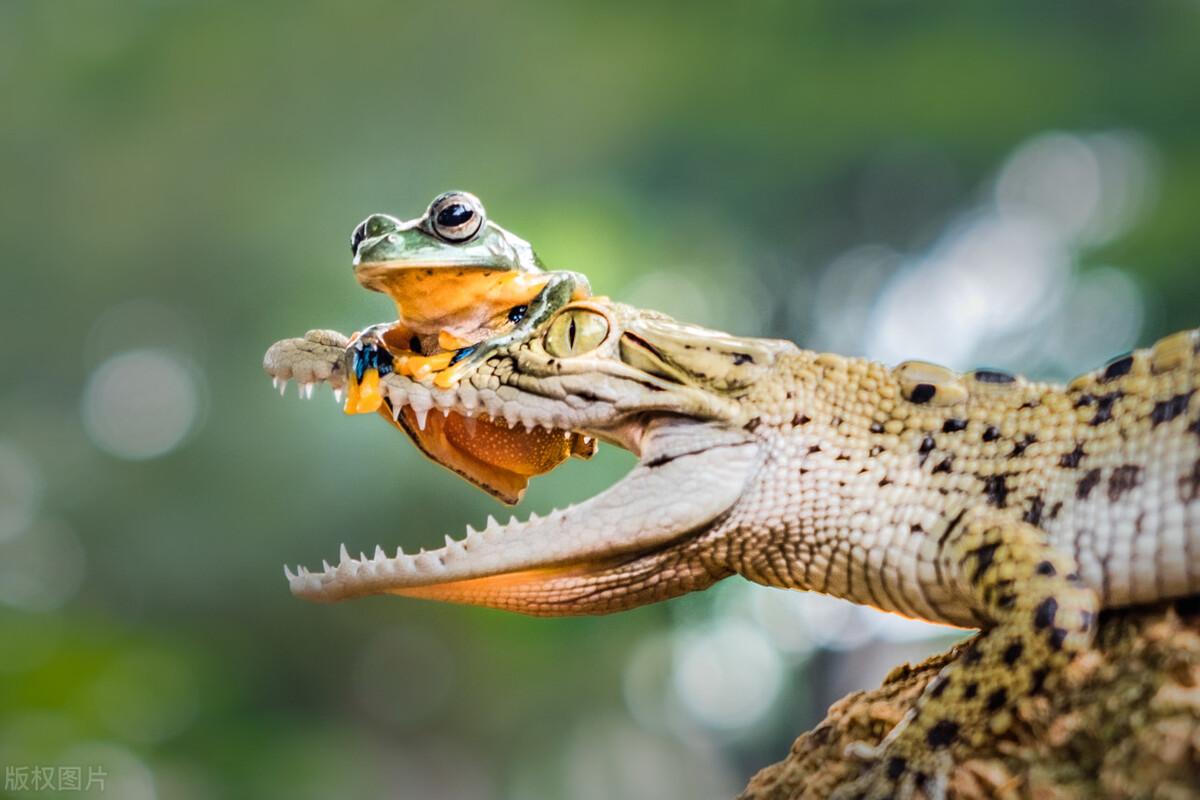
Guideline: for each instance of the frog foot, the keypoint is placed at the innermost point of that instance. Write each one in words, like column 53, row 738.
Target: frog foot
column 891, row 776
column 370, row 360
column 421, row 367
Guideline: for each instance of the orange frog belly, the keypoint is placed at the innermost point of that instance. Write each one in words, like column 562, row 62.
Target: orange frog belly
column 462, row 301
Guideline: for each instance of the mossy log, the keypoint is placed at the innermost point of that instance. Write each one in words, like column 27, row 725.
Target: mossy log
column 1123, row 723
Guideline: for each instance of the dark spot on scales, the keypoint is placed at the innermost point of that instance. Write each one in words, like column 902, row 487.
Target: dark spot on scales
column 1168, row 410
column 1087, row 483
column 1034, row 513
column 742, row 358
column 1116, row 368
column 1123, row 479
column 1189, row 485
column 991, row 434
column 800, row 419
column 1037, row 679
column 1043, row 615
column 1057, row 507
column 970, row 690
column 1071, row 460
column 944, row 466
column 1012, row 653
column 876, row 427
column 983, row 559
column 753, row 424
column 997, row 700
column 1019, row 447
column 1103, row 403
column 1057, row 637
column 996, row 489
column 927, row 445
column 954, row 425
column 992, row 376
column 923, row 393
column 942, row 734
column 1047, row 569
column 938, row 687
column 896, row 766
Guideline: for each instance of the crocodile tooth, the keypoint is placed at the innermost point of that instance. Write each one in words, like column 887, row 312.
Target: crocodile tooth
column 379, row 554
column 450, row 543
column 344, row 554
column 445, row 411
column 492, row 525
column 362, row 558
column 325, row 564
column 288, row 572
column 421, row 414
column 533, row 517
column 396, row 411
column 303, row 570
column 282, row 387
column 339, row 395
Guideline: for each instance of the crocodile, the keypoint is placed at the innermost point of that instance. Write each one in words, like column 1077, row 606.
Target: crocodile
column 980, row 500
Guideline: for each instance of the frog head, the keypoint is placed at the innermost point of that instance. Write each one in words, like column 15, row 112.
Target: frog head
column 450, row 270
column 454, row 233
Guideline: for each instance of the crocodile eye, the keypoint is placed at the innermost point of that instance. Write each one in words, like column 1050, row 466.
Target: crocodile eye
column 360, row 233
column 456, row 216
column 574, row 332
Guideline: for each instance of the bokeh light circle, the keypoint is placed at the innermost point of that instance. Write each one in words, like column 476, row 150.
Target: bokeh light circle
column 141, row 404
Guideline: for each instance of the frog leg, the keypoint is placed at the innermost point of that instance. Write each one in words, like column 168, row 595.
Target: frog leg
column 369, row 360
column 561, row 289
column 1038, row 614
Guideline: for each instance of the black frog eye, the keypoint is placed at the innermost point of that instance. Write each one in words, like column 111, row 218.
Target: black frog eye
column 356, row 238
column 456, row 216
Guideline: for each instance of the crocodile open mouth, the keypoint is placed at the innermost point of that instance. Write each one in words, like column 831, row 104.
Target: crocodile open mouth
column 588, row 558
column 494, row 454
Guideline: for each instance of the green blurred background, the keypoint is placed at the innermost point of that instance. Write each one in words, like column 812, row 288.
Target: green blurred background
column 1011, row 184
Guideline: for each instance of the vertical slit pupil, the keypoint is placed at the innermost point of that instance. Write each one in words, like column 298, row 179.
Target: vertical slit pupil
column 571, row 334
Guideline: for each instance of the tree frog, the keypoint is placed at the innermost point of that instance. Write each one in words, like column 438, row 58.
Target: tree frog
column 463, row 287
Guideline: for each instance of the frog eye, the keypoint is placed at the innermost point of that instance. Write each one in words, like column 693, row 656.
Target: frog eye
column 456, row 216
column 574, row 332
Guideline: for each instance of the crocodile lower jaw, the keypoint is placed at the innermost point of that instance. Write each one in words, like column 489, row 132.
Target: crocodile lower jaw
column 623, row 547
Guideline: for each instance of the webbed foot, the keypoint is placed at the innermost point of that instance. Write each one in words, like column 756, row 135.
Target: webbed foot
column 369, row 359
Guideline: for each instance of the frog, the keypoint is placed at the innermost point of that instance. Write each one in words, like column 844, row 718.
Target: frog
column 463, row 286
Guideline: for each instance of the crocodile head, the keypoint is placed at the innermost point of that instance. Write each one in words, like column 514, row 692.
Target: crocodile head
column 673, row 394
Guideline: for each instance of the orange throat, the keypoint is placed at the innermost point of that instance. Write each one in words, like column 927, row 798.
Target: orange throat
column 488, row 452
